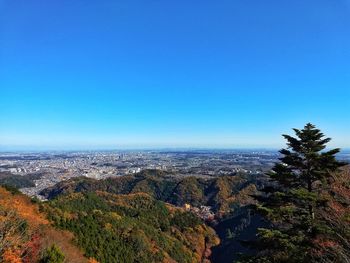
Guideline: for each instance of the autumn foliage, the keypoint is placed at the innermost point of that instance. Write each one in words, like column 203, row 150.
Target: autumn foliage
column 25, row 232
column 12, row 256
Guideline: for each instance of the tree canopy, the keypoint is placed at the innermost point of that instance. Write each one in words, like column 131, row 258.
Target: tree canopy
column 295, row 199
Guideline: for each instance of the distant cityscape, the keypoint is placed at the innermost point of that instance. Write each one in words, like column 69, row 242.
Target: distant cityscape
column 49, row 168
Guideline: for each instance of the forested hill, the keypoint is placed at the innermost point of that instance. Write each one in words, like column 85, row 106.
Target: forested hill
column 221, row 193
column 27, row 236
column 132, row 228
column 99, row 226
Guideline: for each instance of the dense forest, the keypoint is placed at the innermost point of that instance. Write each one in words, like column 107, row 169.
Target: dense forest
column 18, row 181
column 223, row 193
column 131, row 228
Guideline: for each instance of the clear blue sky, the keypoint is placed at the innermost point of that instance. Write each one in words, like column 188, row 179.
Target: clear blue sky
column 116, row 74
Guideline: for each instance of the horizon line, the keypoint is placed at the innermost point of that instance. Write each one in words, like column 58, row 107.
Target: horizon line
column 130, row 149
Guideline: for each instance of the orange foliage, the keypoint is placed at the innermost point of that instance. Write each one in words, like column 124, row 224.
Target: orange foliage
column 42, row 233
column 11, row 256
column 92, row 260
column 33, row 248
column 23, row 207
column 341, row 191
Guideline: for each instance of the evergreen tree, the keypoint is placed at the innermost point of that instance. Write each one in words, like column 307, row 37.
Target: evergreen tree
column 53, row 255
column 294, row 196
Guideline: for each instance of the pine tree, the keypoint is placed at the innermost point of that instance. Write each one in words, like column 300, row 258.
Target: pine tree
column 294, row 196
column 53, row 255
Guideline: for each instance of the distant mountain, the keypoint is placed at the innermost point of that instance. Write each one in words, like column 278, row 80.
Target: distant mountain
column 223, row 194
column 18, row 181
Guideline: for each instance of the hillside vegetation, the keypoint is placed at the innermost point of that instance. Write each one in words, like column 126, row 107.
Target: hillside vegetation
column 131, row 228
column 18, row 181
column 223, row 194
column 26, row 235
column 298, row 212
